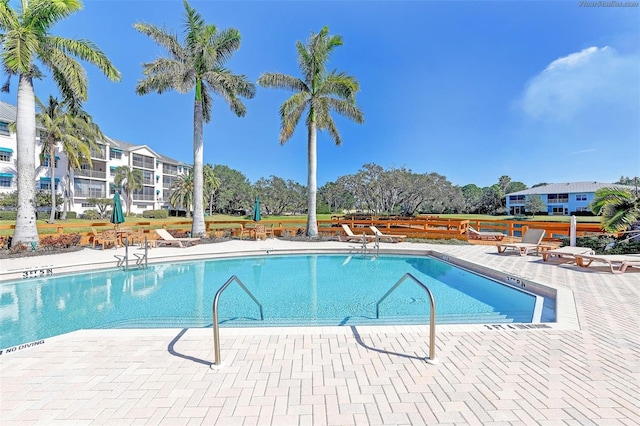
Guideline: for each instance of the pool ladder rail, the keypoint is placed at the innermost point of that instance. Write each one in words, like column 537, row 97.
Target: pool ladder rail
column 216, row 328
column 141, row 259
column 432, row 314
column 214, row 313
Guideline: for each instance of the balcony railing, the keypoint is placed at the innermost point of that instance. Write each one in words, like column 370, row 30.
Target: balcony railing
column 91, row 173
column 98, row 154
column 143, row 197
column 143, row 164
column 90, row 194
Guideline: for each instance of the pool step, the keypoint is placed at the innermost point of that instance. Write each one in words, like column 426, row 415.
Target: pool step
column 195, row 322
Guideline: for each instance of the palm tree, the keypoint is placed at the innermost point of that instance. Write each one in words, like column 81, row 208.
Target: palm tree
column 129, row 179
column 211, row 185
column 25, row 39
column 198, row 65
column 619, row 207
column 71, row 130
column 319, row 92
column 182, row 192
column 78, row 149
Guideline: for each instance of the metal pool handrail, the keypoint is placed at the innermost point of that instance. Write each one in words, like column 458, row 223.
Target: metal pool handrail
column 214, row 314
column 432, row 318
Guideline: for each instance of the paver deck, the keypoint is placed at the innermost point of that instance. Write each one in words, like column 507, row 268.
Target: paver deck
column 585, row 372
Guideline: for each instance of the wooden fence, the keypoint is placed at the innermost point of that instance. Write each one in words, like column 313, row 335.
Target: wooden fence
column 420, row 227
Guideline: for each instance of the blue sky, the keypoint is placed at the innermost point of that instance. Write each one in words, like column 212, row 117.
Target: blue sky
column 472, row 90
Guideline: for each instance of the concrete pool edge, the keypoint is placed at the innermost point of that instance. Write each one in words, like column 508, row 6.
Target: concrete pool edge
column 566, row 313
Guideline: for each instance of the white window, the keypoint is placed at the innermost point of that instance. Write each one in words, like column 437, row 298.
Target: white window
column 581, row 197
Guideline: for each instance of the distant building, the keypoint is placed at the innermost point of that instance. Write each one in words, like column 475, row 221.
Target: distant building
column 561, row 199
column 96, row 181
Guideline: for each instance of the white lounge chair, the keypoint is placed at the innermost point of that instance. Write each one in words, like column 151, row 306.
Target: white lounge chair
column 618, row 263
column 169, row 240
column 566, row 251
column 474, row 234
column 392, row 238
column 353, row 237
column 530, row 242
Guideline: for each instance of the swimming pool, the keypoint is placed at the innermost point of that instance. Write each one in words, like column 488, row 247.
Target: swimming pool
column 294, row 290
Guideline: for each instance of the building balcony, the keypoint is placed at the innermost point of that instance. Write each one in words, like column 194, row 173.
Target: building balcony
column 143, row 197
column 90, row 173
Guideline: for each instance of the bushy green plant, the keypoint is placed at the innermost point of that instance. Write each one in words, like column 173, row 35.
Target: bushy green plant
column 90, row 215
column 155, row 214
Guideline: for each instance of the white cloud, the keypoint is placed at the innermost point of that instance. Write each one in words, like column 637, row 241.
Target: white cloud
column 586, row 83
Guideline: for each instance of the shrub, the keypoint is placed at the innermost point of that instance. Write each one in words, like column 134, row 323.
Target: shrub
column 90, row 215
column 8, row 215
column 60, row 241
column 155, row 214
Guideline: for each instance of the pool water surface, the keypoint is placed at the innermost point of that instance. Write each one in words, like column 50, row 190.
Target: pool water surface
column 294, row 290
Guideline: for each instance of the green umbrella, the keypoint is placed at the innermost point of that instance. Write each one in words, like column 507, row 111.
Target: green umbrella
column 117, row 216
column 256, row 210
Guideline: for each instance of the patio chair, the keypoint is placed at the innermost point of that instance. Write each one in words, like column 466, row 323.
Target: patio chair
column 169, row 240
column 530, row 241
column 263, row 232
column 106, row 238
column 618, row 263
column 474, row 234
column 353, row 237
column 566, row 251
column 392, row 238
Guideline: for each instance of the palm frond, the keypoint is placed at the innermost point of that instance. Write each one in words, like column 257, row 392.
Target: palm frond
column 87, row 51
column 165, row 39
column 282, row 81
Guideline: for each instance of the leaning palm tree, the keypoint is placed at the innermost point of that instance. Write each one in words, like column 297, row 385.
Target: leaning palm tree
column 69, row 129
column 619, row 207
column 25, row 39
column 182, row 192
column 78, row 149
column 319, row 92
column 198, row 65
column 129, row 179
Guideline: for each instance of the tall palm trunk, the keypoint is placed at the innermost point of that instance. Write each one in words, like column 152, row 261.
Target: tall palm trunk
column 312, row 222
column 67, row 193
column 52, row 174
column 198, row 228
column 26, row 230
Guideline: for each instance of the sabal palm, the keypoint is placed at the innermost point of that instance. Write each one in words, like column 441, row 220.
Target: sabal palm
column 129, row 179
column 619, row 207
column 71, row 130
column 25, row 39
column 182, row 192
column 197, row 65
column 318, row 92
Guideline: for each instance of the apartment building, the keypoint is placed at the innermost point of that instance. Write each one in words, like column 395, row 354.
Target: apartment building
column 95, row 181
column 560, row 199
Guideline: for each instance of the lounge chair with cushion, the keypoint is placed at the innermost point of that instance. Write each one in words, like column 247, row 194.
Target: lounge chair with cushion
column 165, row 238
column 387, row 237
column 474, row 234
column 530, row 242
column 353, row 237
column 618, row 263
column 566, row 251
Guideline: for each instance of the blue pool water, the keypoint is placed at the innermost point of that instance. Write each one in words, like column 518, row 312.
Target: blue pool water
column 293, row 290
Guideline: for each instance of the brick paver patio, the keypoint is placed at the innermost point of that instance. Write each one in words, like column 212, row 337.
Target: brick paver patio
column 581, row 372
